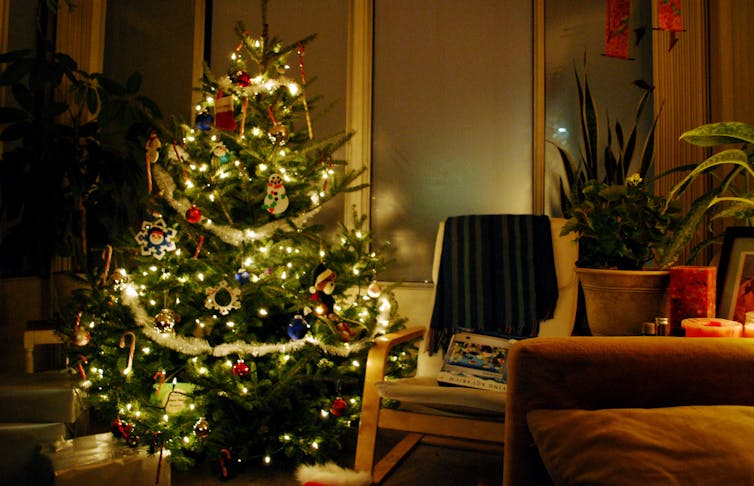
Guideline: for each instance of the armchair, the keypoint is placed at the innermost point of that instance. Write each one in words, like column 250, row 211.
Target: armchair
column 451, row 415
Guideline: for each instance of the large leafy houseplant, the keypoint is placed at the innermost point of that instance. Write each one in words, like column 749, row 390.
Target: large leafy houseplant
column 605, row 191
column 730, row 195
column 67, row 174
column 622, row 226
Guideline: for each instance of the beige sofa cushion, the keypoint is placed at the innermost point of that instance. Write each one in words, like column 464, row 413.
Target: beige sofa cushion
column 688, row 445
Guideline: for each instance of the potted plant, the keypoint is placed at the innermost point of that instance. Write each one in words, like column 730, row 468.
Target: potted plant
column 626, row 232
column 72, row 161
column 621, row 225
column 623, row 228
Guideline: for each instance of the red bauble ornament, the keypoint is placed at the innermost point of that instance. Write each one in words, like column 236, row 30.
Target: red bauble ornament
column 241, row 78
column 193, row 215
column 241, row 369
column 338, row 407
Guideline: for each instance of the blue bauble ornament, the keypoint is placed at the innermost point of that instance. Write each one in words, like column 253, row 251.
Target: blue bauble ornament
column 242, row 276
column 204, row 121
column 298, row 328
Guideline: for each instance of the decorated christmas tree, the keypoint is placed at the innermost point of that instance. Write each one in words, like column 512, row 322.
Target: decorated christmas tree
column 233, row 328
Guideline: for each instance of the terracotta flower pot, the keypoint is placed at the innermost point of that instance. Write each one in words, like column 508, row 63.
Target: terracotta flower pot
column 619, row 301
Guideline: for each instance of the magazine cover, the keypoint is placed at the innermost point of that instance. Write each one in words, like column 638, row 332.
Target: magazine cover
column 476, row 361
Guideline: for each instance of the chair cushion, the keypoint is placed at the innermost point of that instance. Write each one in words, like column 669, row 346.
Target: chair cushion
column 424, row 394
column 670, row 446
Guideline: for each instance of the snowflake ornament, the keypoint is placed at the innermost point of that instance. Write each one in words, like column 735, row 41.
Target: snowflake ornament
column 229, row 298
column 155, row 238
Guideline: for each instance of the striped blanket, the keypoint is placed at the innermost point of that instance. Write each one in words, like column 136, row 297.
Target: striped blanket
column 497, row 276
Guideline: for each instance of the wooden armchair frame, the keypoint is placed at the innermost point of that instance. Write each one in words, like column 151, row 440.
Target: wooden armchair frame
column 457, row 431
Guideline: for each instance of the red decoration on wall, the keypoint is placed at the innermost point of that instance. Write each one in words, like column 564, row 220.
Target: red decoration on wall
column 669, row 15
column 691, row 293
column 617, row 32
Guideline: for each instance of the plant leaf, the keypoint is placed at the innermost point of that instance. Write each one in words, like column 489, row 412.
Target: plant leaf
column 733, row 156
column 713, row 134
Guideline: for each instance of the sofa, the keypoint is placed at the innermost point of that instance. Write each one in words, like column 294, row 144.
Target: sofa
column 630, row 410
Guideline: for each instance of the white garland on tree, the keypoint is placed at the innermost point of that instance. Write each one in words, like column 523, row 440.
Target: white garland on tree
column 228, row 234
column 195, row 346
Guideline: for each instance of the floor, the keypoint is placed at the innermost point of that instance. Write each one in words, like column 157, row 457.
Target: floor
column 426, row 465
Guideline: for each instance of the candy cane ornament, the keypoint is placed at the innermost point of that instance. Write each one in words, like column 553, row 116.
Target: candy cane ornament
column 107, row 255
column 129, row 367
column 160, row 378
column 82, row 362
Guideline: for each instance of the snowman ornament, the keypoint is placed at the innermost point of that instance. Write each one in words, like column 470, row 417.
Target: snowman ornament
column 276, row 201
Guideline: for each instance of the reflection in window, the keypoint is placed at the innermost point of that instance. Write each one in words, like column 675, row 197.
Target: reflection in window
column 452, row 119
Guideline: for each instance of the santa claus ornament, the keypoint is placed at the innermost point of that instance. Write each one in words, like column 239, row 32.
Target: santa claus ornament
column 323, row 285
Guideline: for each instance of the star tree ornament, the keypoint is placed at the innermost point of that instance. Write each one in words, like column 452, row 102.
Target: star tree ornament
column 155, row 238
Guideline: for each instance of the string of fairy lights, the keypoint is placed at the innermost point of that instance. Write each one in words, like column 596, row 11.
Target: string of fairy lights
column 204, row 357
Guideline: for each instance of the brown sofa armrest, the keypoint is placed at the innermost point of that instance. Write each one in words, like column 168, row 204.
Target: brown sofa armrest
column 616, row 372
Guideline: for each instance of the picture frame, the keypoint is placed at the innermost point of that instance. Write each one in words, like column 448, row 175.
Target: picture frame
column 735, row 275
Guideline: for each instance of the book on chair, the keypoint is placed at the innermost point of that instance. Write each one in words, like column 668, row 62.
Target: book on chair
column 476, row 361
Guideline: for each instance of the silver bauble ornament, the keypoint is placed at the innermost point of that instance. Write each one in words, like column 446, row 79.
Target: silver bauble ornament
column 201, row 428
column 374, row 290
column 81, row 336
column 165, row 321
column 278, row 133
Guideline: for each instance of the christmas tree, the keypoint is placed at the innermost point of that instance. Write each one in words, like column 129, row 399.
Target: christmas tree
column 232, row 328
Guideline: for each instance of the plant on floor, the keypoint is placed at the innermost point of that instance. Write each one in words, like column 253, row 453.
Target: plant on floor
column 233, row 328
column 70, row 140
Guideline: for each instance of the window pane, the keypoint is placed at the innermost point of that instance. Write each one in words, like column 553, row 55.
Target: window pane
column 452, row 126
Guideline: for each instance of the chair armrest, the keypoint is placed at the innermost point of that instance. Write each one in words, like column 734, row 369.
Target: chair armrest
column 378, row 353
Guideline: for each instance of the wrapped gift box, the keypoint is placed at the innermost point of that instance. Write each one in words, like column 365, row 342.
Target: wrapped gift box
column 100, row 459
column 691, row 293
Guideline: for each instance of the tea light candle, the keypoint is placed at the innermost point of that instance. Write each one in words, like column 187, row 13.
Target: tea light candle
column 711, row 327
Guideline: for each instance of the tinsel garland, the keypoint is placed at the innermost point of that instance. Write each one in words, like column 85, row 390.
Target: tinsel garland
column 228, row 234
column 195, row 346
